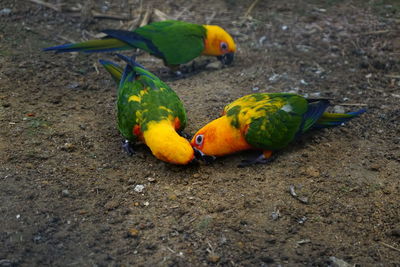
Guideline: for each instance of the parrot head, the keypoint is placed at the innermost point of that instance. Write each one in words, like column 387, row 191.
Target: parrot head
column 166, row 144
column 218, row 138
column 175, row 150
column 219, row 43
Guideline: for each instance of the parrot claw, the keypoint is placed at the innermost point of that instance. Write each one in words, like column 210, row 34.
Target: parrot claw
column 128, row 148
column 179, row 75
column 259, row 160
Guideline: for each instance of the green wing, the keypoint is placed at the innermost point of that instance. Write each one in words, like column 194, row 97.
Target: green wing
column 160, row 104
column 177, row 42
column 269, row 121
column 142, row 98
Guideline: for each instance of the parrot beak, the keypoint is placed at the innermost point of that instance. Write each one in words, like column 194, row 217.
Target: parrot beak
column 201, row 156
column 226, row 59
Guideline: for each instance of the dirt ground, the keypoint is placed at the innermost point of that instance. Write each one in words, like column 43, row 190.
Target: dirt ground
column 67, row 190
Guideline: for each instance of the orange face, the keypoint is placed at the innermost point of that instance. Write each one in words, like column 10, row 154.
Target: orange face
column 218, row 42
column 219, row 138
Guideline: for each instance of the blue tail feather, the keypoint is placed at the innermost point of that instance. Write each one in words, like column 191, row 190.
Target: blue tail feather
column 336, row 119
column 134, row 39
column 70, row 48
column 107, row 62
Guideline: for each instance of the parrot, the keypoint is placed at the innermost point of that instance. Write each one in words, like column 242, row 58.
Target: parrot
column 148, row 110
column 175, row 42
column 264, row 121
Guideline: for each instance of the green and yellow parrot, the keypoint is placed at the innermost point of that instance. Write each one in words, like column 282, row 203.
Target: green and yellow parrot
column 148, row 110
column 266, row 122
column 175, row 42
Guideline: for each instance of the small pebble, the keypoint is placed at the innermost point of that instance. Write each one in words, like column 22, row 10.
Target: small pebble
column 139, row 188
column 146, row 203
column 336, row 262
column 214, row 258
column 29, row 165
column 172, row 197
column 110, row 205
column 68, row 147
column 275, row 215
column 82, row 212
column 65, row 193
column 313, row 172
column 338, row 109
column 196, row 175
column 303, row 82
column 374, row 167
column 214, row 65
column 133, row 232
column 151, row 179
column 5, row 11
column 73, row 85
column 302, row 220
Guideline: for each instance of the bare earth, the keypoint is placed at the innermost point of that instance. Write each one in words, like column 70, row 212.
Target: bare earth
column 67, row 190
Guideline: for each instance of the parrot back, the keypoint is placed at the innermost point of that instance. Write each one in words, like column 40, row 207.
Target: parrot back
column 144, row 98
column 176, row 42
column 268, row 121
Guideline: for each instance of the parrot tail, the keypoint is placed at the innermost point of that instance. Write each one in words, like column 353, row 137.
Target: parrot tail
column 114, row 69
column 101, row 45
column 335, row 119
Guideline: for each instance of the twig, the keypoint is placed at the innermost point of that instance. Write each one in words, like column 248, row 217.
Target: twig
column 393, row 76
column 210, row 18
column 110, row 16
column 184, row 10
column 303, row 200
column 375, row 32
column 131, row 25
column 66, row 39
column 251, row 8
column 161, row 15
column 146, row 18
column 96, row 69
column 389, row 246
column 51, row 6
column 76, row 11
column 353, row 104
column 170, row 249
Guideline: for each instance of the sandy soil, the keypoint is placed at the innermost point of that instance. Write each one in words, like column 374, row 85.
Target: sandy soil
column 67, row 190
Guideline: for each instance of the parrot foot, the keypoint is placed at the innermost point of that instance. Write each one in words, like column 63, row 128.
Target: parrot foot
column 191, row 68
column 128, row 147
column 175, row 75
column 264, row 158
column 179, row 75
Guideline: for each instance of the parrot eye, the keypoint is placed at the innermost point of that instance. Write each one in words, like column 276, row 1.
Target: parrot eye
column 224, row 46
column 199, row 140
